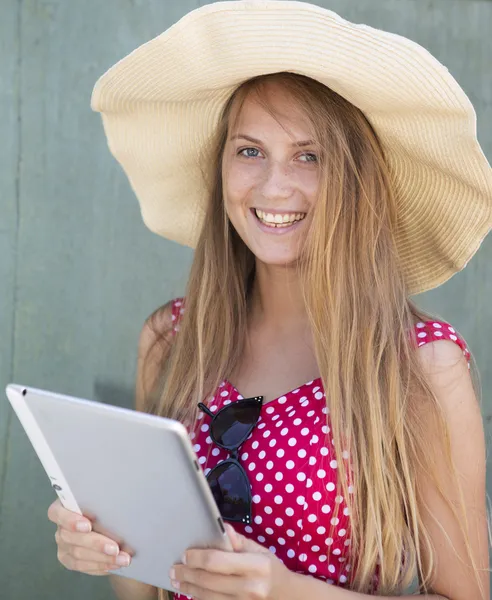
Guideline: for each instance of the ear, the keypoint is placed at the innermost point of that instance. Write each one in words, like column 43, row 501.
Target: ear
column 240, row 543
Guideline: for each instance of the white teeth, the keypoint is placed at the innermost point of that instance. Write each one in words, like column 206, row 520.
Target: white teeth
column 279, row 220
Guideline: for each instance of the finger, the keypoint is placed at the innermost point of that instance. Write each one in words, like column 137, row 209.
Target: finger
column 240, row 543
column 233, row 537
column 93, row 541
column 86, row 554
column 67, row 519
column 83, row 566
column 225, row 584
column 227, row 563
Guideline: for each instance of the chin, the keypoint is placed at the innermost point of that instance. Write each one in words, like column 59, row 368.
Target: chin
column 277, row 259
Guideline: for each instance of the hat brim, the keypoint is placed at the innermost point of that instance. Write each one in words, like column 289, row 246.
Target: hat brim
column 161, row 104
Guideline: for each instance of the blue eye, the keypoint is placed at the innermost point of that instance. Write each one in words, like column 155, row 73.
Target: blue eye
column 311, row 157
column 248, row 150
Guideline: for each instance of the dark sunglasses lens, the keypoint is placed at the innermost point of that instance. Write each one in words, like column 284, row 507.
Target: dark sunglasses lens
column 231, row 491
column 233, row 424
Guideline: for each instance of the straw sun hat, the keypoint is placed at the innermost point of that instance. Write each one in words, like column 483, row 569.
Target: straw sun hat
column 161, row 104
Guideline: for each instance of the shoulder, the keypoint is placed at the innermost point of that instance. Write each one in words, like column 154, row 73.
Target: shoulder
column 447, row 369
column 154, row 345
column 445, row 359
column 445, row 362
column 450, row 349
column 160, row 326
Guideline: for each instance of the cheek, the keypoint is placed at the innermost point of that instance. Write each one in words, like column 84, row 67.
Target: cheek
column 309, row 184
column 238, row 182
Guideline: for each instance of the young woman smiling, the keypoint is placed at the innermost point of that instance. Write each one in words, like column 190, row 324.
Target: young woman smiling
column 320, row 193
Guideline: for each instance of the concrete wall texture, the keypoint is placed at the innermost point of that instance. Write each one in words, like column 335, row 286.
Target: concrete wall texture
column 79, row 272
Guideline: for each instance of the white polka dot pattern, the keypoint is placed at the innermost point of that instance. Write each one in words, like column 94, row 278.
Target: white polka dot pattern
column 433, row 331
column 292, row 482
column 290, row 461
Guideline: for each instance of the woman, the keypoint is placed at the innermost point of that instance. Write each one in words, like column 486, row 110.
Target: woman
column 322, row 213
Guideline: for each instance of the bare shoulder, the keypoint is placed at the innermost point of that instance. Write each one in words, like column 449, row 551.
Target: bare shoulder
column 442, row 353
column 158, row 327
column 154, row 345
column 447, row 369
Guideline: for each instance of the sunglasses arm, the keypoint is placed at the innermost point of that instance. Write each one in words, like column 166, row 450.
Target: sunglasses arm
column 205, row 409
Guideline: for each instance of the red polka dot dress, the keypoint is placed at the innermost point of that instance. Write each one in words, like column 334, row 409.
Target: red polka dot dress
column 291, row 464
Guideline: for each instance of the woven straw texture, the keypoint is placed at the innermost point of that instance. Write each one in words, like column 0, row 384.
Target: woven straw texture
column 160, row 105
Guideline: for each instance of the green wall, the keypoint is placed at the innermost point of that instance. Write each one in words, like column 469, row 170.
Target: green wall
column 79, row 272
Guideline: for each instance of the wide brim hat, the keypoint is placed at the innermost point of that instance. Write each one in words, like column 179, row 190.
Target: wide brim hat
column 160, row 106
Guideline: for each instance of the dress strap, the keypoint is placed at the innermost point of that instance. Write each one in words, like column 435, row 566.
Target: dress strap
column 177, row 309
column 433, row 331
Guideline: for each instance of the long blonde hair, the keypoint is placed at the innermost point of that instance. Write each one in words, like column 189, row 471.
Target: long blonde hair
column 361, row 318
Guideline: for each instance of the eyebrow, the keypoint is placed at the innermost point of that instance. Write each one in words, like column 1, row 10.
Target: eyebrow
column 255, row 141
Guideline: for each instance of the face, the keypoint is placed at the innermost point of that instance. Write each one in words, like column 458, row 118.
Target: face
column 270, row 177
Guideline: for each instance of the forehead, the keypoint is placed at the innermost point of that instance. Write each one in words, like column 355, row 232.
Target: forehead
column 270, row 106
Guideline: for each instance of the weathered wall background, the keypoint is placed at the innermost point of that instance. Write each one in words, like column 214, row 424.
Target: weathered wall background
column 78, row 270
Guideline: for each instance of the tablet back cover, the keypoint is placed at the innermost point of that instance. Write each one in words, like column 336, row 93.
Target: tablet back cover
column 134, row 475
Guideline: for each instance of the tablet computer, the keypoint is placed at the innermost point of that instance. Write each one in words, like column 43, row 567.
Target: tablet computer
column 134, row 475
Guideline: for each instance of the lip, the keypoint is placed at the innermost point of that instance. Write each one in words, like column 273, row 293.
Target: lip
column 276, row 230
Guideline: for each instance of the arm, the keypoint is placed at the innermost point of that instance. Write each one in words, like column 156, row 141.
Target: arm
column 314, row 589
column 153, row 349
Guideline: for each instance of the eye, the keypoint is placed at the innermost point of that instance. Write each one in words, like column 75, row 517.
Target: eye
column 310, row 157
column 248, row 152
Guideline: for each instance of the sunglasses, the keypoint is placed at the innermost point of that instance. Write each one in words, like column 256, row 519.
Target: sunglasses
column 228, row 480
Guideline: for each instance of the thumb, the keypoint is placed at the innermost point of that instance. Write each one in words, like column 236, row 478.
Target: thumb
column 240, row 543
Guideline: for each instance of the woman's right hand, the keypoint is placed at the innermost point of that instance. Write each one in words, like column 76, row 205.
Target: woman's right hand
column 81, row 549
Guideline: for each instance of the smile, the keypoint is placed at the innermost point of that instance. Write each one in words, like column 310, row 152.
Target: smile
column 278, row 220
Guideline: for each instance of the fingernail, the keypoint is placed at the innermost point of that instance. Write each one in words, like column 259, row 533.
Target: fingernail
column 172, row 574
column 83, row 526
column 111, row 549
column 175, row 584
column 122, row 560
column 183, row 560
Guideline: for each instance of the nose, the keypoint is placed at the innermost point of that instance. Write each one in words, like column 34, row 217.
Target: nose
column 278, row 182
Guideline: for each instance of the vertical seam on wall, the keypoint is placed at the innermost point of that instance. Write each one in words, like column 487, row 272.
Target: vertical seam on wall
column 18, row 79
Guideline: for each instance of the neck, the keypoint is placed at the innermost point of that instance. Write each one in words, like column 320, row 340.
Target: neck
column 276, row 300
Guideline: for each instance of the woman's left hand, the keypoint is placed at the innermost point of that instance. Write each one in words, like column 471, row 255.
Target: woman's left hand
column 251, row 572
